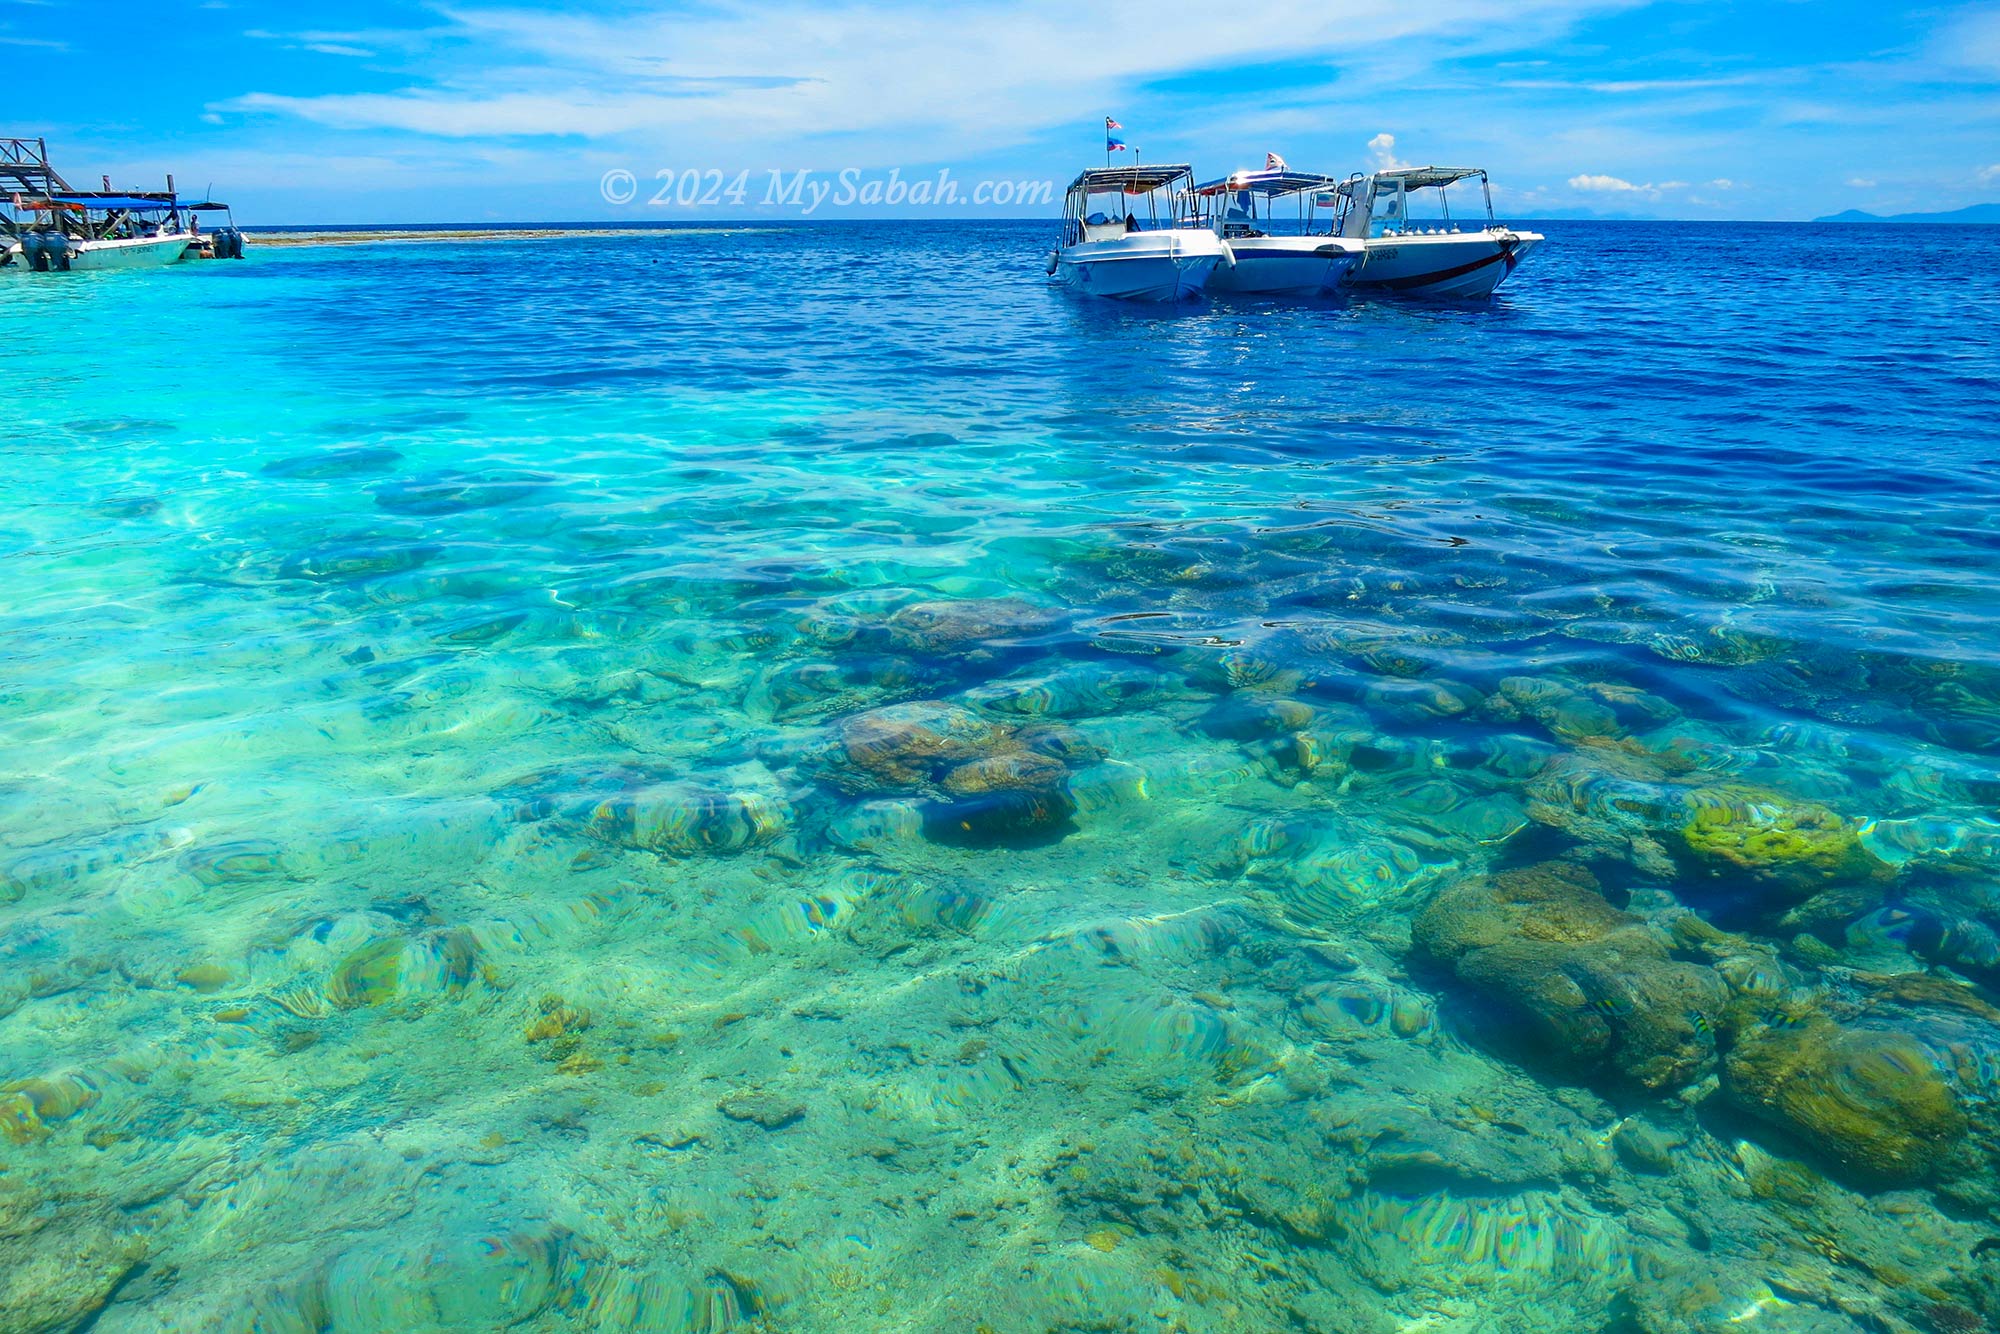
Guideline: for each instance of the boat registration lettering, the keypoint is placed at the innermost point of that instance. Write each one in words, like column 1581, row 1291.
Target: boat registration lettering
column 1382, row 252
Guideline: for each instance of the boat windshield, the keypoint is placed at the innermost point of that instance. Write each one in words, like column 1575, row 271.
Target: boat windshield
column 1106, row 203
column 1265, row 203
column 1413, row 201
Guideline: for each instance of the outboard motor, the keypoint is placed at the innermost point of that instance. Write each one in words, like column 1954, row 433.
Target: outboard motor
column 32, row 253
column 55, row 252
column 226, row 243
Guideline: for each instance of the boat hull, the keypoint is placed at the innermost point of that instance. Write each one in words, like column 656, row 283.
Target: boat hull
column 148, row 252
column 1287, row 265
column 1147, row 266
column 1456, row 265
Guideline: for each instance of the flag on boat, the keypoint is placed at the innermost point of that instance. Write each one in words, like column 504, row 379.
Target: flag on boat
column 1114, row 140
column 1324, row 199
column 1272, row 162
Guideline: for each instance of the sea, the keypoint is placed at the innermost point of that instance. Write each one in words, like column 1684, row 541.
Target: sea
column 786, row 778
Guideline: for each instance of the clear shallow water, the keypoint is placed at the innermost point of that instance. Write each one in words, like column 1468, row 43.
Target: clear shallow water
column 1386, row 816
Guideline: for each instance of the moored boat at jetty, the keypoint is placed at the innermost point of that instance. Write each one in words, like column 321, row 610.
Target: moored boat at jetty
column 1118, row 254
column 53, row 228
column 1428, row 258
column 1270, row 257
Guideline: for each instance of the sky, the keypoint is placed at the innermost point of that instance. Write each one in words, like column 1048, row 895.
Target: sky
column 520, row 111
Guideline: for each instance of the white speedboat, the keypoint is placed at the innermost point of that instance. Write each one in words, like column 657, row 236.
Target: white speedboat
column 1437, row 258
column 51, row 228
column 1274, row 258
column 1115, row 253
column 54, row 251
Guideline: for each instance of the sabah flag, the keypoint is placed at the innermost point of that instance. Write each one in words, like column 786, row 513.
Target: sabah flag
column 1114, row 141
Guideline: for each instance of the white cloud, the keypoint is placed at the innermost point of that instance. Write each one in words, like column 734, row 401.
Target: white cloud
column 1988, row 175
column 1382, row 153
column 1722, row 183
column 1618, row 185
column 927, row 79
column 1860, row 183
column 1973, row 42
column 1605, row 185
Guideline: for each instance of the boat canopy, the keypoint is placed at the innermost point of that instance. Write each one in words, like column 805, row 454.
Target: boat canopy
column 1128, row 180
column 1415, row 178
column 1270, row 183
column 126, row 203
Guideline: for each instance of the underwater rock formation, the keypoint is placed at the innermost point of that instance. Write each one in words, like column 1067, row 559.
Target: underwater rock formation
column 906, row 747
column 1794, row 846
column 29, row 1107
column 683, row 820
column 452, row 491
column 350, row 461
column 1075, row 690
column 1875, row 1102
column 1560, row 975
column 971, row 627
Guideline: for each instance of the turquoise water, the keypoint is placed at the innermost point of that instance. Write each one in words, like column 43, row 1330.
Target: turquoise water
column 799, row 780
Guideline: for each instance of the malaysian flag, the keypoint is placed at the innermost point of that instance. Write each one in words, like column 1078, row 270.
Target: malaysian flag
column 1272, row 162
column 1114, row 141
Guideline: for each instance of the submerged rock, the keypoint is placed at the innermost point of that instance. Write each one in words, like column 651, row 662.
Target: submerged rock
column 1558, row 974
column 969, row 625
column 1790, row 844
column 51, row 1284
column 476, row 1279
column 353, row 559
column 30, row 1107
column 234, row 863
column 1247, row 717
column 1876, row 1102
column 683, row 819
column 908, row 747
column 450, row 491
column 762, row 1109
column 808, row 689
column 1081, row 690
column 1002, row 817
column 396, row 967
column 349, row 462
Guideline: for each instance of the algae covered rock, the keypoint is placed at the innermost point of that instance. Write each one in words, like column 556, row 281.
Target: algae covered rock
column 30, row 1107
column 1793, row 845
column 908, row 746
column 1559, row 975
column 1875, row 1102
column 50, row 1284
column 970, row 625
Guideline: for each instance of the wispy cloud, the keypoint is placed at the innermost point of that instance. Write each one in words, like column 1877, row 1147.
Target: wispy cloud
column 362, row 43
column 1604, row 185
column 1616, row 86
column 937, row 79
column 1615, row 185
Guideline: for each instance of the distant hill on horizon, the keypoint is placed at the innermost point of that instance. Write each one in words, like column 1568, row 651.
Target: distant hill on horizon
column 1970, row 213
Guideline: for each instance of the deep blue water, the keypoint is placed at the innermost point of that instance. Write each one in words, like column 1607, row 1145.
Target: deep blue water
column 798, row 778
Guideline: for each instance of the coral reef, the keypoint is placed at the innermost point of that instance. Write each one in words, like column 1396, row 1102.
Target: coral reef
column 1553, row 970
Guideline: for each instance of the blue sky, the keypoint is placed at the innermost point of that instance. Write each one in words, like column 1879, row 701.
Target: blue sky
column 480, row 110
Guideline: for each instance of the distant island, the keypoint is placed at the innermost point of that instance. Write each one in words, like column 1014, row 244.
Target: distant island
column 1970, row 213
